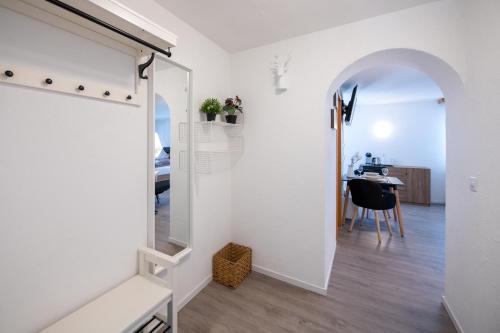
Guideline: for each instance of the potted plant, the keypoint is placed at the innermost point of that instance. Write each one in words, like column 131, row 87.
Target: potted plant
column 230, row 106
column 211, row 107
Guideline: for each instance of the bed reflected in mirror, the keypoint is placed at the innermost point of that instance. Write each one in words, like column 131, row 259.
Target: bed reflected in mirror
column 171, row 164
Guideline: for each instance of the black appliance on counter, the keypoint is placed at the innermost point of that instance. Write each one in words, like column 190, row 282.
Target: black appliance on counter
column 372, row 168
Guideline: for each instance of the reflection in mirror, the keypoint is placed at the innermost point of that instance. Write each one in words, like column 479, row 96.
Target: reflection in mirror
column 171, row 142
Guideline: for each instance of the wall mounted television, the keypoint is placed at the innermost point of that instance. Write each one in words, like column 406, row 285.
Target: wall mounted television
column 349, row 109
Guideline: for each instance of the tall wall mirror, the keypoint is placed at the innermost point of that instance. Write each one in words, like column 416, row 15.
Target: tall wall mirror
column 170, row 150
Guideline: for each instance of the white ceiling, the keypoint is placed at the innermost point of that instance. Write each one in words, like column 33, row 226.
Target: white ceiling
column 238, row 25
column 391, row 84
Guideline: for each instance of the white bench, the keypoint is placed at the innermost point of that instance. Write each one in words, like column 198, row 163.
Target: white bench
column 129, row 306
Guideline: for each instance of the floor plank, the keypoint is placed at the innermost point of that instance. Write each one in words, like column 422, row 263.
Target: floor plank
column 392, row 287
column 162, row 225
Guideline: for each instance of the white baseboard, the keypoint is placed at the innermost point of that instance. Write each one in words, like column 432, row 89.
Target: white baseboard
column 177, row 242
column 327, row 282
column 290, row 280
column 452, row 316
column 194, row 292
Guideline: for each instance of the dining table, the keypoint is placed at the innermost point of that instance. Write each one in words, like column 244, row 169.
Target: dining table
column 393, row 184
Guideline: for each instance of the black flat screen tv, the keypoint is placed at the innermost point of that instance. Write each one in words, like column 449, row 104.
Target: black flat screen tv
column 349, row 109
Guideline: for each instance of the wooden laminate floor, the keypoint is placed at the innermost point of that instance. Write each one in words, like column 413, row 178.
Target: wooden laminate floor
column 394, row 287
column 162, row 226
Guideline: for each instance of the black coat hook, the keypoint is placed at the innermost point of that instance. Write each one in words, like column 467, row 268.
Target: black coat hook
column 9, row 73
column 129, row 97
column 48, row 80
column 81, row 88
column 107, row 93
column 142, row 67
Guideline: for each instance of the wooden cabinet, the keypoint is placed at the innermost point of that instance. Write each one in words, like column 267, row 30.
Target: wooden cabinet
column 417, row 182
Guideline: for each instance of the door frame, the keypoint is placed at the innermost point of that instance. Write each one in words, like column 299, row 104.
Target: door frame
column 338, row 162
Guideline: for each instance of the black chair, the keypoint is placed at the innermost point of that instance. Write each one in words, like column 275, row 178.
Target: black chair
column 371, row 195
column 160, row 187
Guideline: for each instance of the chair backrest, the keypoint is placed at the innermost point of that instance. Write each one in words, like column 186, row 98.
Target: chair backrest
column 366, row 194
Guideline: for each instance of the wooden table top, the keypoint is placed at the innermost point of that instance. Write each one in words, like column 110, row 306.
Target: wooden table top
column 382, row 180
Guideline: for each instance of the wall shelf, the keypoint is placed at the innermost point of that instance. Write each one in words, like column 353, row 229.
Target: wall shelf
column 217, row 124
column 217, row 145
column 213, row 131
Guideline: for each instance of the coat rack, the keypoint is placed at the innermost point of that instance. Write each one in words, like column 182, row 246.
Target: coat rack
column 108, row 21
column 34, row 78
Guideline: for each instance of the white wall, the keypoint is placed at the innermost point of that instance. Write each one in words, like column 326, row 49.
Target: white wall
column 74, row 201
column 418, row 138
column 284, row 181
column 72, row 178
column 472, row 287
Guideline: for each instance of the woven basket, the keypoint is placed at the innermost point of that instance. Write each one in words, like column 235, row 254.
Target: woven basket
column 232, row 264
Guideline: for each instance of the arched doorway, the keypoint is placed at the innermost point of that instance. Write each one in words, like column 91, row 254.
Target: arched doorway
column 441, row 72
column 379, row 270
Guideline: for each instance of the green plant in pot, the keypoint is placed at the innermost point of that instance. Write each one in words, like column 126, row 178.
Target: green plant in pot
column 231, row 105
column 211, row 107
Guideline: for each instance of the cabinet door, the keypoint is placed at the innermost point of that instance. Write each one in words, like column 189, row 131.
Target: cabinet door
column 420, row 183
column 398, row 172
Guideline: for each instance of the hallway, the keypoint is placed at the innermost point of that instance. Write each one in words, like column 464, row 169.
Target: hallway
column 394, row 287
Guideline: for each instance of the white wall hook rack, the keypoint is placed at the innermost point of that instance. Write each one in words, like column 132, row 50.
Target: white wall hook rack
column 36, row 78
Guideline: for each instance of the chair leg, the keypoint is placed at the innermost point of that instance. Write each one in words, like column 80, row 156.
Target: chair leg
column 363, row 212
column 377, row 224
column 353, row 218
column 386, row 216
column 346, row 203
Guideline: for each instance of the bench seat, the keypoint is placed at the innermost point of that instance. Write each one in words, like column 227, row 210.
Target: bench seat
column 122, row 309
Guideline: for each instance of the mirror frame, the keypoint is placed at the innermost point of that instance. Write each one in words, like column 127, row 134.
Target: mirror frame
column 151, row 229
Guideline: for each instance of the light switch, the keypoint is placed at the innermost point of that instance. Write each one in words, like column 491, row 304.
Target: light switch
column 473, row 183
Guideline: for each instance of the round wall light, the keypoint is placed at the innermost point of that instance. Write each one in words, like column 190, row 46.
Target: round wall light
column 382, row 129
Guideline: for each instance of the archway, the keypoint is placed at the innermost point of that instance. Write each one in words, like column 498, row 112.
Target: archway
column 372, row 259
column 443, row 74
column 162, row 123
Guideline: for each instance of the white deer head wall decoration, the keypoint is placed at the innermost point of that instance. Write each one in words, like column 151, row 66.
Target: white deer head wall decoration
column 279, row 70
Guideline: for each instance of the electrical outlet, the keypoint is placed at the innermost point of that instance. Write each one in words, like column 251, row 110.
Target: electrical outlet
column 473, row 183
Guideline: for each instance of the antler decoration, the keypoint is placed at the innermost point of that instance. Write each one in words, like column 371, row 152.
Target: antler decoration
column 279, row 70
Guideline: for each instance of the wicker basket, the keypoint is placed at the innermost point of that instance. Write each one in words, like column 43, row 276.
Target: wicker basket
column 232, row 264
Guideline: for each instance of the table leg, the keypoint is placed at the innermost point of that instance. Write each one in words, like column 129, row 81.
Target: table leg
column 346, row 202
column 400, row 216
